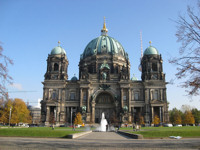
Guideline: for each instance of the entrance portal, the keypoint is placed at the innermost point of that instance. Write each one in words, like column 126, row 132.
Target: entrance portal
column 104, row 103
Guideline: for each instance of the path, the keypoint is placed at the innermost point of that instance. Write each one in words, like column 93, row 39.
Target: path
column 97, row 141
column 103, row 136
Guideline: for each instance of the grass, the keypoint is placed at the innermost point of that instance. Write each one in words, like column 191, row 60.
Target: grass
column 163, row 132
column 37, row 132
column 62, row 132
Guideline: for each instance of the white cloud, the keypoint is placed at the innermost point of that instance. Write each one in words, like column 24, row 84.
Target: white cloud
column 17, row 86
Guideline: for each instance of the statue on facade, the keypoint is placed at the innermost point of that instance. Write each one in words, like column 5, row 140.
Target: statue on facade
column 104, row 71
column 84, row 73
column 84, row 109
column 104, row 75
column 124, row 73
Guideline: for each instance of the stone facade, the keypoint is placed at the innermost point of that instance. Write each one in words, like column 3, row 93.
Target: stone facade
column 104, row 85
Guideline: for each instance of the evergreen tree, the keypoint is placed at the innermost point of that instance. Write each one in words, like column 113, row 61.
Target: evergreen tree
column 196, row 114
column 175, row 116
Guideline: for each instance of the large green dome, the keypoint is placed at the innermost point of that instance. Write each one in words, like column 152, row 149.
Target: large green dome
column 151, row 51
column 103, row 44
column 58, row 50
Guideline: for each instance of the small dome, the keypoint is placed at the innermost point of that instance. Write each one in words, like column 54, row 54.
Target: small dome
column 58, row 50
column 74, row 78
column 151, row 51
column 134, row 78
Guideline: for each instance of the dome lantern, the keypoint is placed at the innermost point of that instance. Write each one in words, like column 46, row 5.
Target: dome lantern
column 104, row 31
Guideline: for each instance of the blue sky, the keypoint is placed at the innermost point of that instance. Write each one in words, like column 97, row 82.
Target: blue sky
column 30, row 29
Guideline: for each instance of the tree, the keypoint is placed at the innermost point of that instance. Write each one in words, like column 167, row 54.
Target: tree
column 141, row 120
column 196, row 114
column 175, row 116
column 19, row 112
column 188, row 118
column 78, row 119
column 4, row 77
column 156, row 119
column 5, row 111
column 188, row 64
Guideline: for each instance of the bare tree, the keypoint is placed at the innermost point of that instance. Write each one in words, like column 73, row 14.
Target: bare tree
column 188, row 63
column 4, row 77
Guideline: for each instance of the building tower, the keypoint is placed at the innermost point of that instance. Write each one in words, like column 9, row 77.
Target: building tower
column 152, row 68
column 55, row 79
column 57, row 64
column 154, row 85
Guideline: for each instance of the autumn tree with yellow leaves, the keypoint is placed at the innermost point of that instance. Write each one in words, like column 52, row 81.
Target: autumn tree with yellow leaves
column 156, row 120
column 78, row 119
column 19, row 112
column 188, row 118
column 177, row 118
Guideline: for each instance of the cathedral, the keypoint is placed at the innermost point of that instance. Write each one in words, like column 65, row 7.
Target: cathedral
column 104, row 85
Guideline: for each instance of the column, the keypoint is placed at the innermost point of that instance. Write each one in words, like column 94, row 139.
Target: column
column 122, row 105
column 81, row 97
column 160, row 113
column 59, row 69
column 88, row 101
column 146, row 96
column 149, row 94
column 67, row 115
column 55, row 114
column 47, row 114
column 152, row 113
column 52, row 64
column 164, row 95
column 163, row 117
column 93, row 111
column 161, row 94
column 129, row 100
column 129, row 105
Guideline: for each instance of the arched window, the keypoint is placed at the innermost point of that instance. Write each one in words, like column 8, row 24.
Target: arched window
column 56, row 66
column 154, row 67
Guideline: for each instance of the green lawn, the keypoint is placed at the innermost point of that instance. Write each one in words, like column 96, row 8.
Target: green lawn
column 38, row 132
column 163, row 132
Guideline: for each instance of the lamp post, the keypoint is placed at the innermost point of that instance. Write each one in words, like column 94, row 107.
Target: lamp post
column 10, row 115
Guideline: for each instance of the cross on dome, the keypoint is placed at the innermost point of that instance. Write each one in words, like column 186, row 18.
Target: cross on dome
column 58, row 43
column 150, row 43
